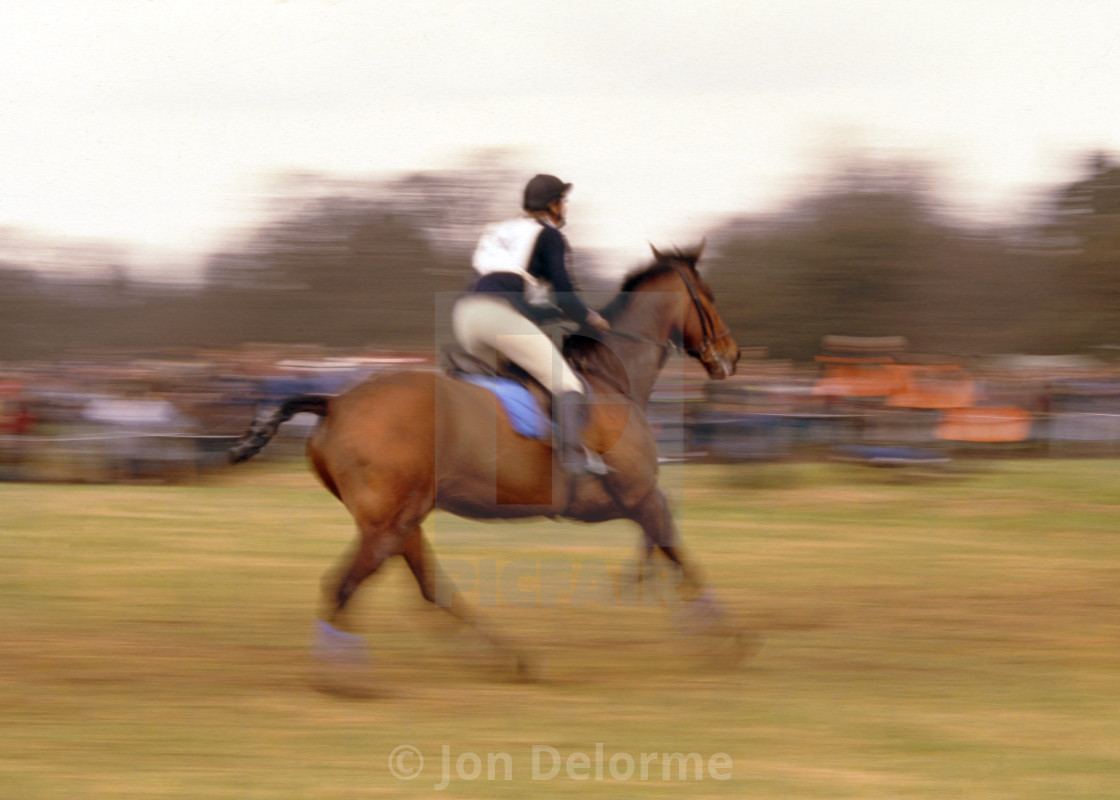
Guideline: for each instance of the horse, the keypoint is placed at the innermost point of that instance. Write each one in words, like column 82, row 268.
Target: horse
column 400, row 445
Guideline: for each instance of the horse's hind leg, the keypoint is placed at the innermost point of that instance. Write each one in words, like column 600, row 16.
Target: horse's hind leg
column 335, row 647
column 438, row 590
column 374, row 546
column 385, row 518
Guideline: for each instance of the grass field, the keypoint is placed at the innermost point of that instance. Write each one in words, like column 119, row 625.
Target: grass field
column 930, row 639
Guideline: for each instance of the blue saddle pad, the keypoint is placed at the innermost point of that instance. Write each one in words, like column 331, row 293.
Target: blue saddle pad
column 521, row 407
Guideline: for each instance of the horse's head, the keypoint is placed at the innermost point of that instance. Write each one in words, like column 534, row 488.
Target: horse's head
column 703, row 333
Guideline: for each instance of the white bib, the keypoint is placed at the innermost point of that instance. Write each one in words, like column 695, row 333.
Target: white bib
column 507, row 247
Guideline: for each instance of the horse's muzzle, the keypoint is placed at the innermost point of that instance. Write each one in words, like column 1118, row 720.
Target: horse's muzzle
column 718, row 366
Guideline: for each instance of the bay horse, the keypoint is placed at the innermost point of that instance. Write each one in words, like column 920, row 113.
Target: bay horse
column 399, row 445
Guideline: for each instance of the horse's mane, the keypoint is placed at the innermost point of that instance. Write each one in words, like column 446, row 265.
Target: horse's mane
column 629, row 284
column 586, row 353
column 664, row 263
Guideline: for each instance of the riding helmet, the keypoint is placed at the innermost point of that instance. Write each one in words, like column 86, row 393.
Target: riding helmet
column 543, row 190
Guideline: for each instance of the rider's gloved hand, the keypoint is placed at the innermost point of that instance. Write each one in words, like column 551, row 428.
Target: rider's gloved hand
column 596, row 321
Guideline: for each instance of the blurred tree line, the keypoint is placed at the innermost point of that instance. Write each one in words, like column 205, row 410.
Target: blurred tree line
column 871, row 250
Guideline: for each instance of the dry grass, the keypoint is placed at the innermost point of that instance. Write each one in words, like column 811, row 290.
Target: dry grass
column 923, row 640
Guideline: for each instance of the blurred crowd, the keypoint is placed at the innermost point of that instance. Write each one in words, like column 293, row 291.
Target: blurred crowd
column 108, row 418
column 170, row 419
column 869, row 400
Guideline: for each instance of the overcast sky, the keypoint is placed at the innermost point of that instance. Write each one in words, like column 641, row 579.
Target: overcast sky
column 157, row 122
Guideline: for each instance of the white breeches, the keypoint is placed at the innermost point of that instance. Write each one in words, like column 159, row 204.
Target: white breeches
column 486, row 325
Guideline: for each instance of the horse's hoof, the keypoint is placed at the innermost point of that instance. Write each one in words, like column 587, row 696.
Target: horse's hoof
column 524, row 670
column 735, row 649
column 700, row 615
column 333, row 646
column 511, row 666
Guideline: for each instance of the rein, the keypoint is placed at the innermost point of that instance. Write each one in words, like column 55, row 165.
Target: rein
column 706, row 325
column 633, row 337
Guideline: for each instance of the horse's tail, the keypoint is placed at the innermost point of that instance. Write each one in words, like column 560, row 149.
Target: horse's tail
column 261, row 431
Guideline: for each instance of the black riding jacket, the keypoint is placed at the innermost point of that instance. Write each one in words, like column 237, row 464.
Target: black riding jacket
column 548, row 262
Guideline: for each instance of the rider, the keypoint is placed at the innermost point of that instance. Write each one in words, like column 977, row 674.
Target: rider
column 516, row 262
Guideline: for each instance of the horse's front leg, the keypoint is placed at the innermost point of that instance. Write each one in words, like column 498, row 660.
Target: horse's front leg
column 659, row 533
column 702, row 612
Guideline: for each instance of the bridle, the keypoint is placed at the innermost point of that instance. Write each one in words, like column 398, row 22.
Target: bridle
column 706, row 352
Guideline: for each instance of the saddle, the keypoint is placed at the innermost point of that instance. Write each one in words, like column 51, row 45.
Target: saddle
column 527, row 404
column 457, row 363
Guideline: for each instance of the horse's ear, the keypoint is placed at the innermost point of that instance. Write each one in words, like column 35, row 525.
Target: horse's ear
column 692, row 255
column 656, row 253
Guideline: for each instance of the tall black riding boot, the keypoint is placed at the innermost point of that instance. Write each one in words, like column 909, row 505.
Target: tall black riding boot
column 571, row 418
